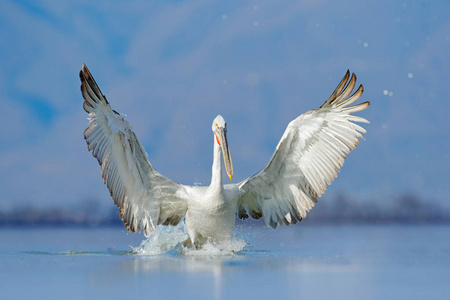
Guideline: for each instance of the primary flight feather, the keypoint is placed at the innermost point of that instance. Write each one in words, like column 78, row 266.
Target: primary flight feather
column 310, row 153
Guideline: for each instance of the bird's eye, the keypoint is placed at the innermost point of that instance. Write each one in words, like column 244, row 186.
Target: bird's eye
column 217, row 125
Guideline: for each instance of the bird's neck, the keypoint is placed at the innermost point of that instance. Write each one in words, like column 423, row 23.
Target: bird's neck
column 216, row 179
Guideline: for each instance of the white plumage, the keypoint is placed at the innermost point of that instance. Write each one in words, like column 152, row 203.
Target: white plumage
column 309, row 155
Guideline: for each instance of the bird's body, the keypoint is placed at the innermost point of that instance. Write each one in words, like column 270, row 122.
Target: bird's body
column 307, row 158
column 211, row 213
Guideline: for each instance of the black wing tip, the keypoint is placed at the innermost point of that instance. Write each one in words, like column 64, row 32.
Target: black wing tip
column 345, row 87
column 83, row 80
column 86, row 76
column 347, row 74
column 85, row 70
column 84, row 73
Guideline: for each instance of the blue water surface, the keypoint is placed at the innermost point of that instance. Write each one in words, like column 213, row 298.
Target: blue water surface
column 301, row 262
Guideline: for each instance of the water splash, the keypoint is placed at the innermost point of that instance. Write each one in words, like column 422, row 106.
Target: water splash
column 225, row 248
column 163, row 240
column 170, row 239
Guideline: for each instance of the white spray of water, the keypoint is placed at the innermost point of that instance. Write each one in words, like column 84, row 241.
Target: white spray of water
column 171, row 238
column 225, row 248
column 162, row 240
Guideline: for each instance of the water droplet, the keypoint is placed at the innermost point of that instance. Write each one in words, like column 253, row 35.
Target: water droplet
column 366, row 45
column 224, row 17
column 256, row 23
column 410, row 75
column 385, row 92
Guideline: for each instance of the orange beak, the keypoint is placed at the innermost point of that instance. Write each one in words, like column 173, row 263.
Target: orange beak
column 221, row 138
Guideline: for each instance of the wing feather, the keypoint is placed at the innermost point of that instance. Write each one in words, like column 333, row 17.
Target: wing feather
column 308, row 157
column 348, row 89
column 145, row 198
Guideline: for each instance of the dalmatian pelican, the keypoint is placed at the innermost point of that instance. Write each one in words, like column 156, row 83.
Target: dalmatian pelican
column 308, row 157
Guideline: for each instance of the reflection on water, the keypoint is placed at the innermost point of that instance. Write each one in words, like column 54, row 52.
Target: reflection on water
column 242, row 272
column 211, row 268
column 87, row 253
column 323, row 262
column 216, row 265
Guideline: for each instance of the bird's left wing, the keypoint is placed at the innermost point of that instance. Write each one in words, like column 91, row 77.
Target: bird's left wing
column 145, row 198
column 307, row 158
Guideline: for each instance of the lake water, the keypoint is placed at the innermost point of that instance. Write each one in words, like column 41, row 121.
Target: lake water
column 301, row 262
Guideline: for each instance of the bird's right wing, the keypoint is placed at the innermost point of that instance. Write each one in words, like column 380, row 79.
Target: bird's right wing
column 307, row 158
column 145, row 198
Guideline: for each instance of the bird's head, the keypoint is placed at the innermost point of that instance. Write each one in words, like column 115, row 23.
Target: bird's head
column 219, row 128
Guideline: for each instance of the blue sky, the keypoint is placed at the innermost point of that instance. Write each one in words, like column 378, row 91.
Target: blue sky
column 172, row 66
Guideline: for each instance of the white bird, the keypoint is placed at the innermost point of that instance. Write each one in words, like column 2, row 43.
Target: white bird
column 307, row 158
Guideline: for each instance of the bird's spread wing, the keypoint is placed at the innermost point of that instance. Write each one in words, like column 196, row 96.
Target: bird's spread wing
column 307, row 158
column 145, row 198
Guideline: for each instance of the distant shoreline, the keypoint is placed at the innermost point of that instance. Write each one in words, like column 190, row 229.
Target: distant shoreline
column 406, row 209
column 253, row 223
